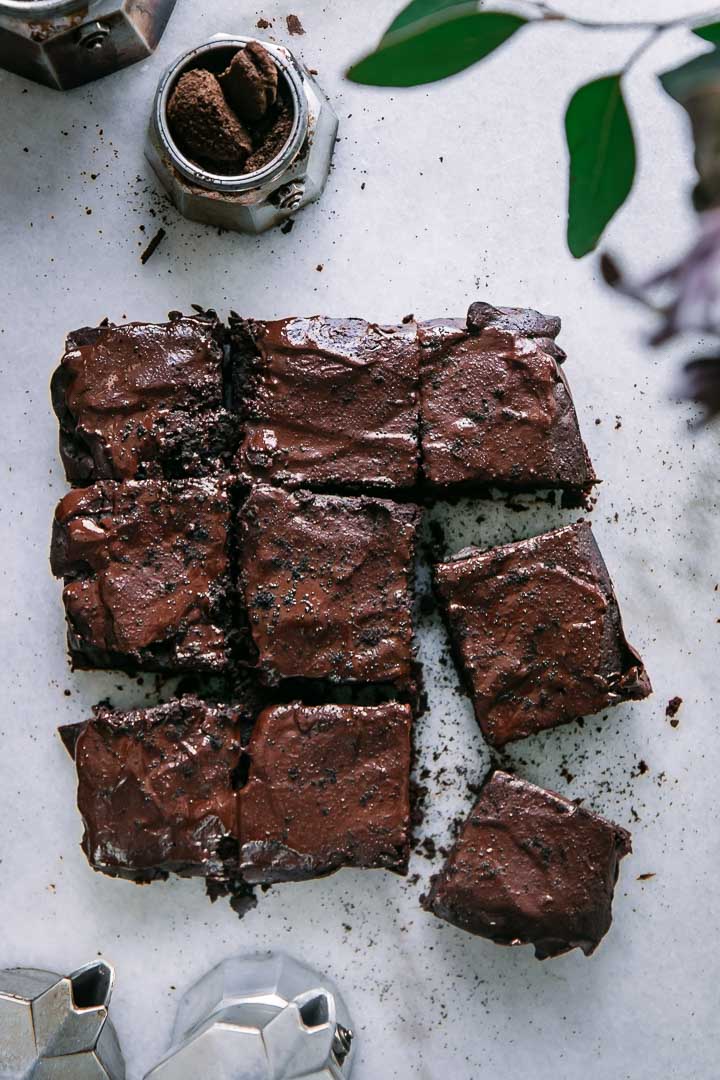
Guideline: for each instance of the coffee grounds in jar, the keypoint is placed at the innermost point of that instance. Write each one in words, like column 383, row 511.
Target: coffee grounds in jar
column 236, row 122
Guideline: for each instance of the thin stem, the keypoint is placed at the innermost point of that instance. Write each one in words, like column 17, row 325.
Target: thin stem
column 552, row 13
column 642, row 48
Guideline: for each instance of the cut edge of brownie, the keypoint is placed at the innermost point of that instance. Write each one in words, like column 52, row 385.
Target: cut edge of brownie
column 544, row 329
column 163, row 715
column 271, row 862
column 316, row 691
column 243, row 365
column 158, row 656
column 545, row 948
column 228, row 882
column 633, row 683
column 209, row 429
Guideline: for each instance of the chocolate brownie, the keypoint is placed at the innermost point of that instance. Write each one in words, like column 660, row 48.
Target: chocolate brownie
column 327, row 404
column 146, row 574
column 530, row 867
column 327, row 585
column 496, row 409
column 156, row 789
column 328, row 786
column 144, row 400
column 537, row 633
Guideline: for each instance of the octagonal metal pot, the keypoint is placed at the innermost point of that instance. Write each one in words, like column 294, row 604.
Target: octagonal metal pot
column 255, row 201
column 65, row 43
column 260, row 1017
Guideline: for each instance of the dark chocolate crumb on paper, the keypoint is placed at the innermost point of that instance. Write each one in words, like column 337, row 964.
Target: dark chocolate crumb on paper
column 153, row 246
column 672, row 709
column 294, row 25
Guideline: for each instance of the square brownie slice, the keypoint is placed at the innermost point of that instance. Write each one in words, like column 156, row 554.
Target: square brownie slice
column 157, row 789
column 328, row 786
column 496, row 409
column 144, row 400
column 530, row 867
column 327, row 586
column 537, row 633
column 327, row 404
column 146, row 569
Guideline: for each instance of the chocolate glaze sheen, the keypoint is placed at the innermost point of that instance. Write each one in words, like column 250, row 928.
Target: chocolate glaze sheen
column 156, row 790
column 328, row 404
column 143, row 400
column 146, row 574
column 496, row 407
column 329, row 786
column 537, row 633
column 327, row 586
column 530, row 867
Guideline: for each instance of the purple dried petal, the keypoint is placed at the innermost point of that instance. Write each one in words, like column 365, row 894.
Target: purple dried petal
column 701, row 384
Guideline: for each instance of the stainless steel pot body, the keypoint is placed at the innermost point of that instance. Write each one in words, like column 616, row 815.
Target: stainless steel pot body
column 252, row 202
column 65, row 43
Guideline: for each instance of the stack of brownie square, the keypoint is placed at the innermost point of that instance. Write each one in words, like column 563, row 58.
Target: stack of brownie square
column 243, row 509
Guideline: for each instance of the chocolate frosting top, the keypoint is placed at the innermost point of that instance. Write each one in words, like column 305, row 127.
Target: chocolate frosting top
column 495, row 405
column 328, row 787
column 538, row 632
column 327, row 585
column 156, row 790
column 531, row 867
column 142, row 400
column 146, row 569
column 330, row 403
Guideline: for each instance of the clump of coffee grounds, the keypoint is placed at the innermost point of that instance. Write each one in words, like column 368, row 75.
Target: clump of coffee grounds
column 235, row 122
column 294, row 25
column 672, row 709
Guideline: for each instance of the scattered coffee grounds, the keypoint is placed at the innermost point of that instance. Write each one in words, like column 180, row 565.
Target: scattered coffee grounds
column 274, row 140
column 294, row 25
column 236, row 122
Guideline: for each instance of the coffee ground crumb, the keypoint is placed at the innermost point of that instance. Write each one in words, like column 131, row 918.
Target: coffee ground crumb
column 153, row 246
column 671, row 710
column 294, row 25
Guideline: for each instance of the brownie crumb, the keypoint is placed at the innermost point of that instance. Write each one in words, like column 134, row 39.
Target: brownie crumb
column 672, row 709
column 294, row 25
column 428, row 848
column 153, row 246
column 645, row 877
column 263, row 24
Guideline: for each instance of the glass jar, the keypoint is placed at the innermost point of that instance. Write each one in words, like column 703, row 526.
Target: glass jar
column 65, row 43
column 254, row 201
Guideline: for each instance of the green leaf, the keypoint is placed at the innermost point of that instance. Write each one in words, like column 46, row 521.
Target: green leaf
column 685, row 82
column 432, row 50
column 422, row 9
column 711, row 32
column 602, row 160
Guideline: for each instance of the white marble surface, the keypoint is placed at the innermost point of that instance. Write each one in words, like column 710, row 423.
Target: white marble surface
column 437, row 196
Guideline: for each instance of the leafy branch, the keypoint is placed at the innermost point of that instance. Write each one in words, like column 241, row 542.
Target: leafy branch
column 430, row 40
